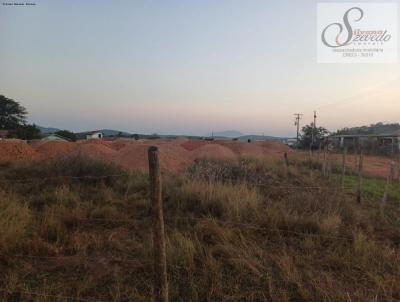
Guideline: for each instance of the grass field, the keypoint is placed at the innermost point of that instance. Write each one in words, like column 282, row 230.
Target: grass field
column 80, row 230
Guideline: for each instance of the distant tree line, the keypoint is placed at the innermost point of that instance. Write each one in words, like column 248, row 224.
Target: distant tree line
column 378, row 128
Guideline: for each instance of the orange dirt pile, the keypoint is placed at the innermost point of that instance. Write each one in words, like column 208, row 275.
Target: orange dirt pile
column 16, row 150
column 120, row 143
column 96, row 151
column 54, row 149
column 266, row 149
column 175, row 155
column 194, row 144
column 95, row 142
column 213, row 151
column 173, row 158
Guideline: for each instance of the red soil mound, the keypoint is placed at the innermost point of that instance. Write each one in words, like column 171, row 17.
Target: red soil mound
column 175, row 155
column 54, row 149
column 194, row 144
column 134, row 156
column 16, row 150
column 254, row 149
column 95, row 142
column 213, row 151
column 121, row 143
column 260, row 150
column 96, row 151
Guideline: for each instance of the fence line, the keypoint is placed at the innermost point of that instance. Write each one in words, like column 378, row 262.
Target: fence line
column 69, row 298
column 27, row 180
column 30, row 179
column 256, row 227
column 127, row 260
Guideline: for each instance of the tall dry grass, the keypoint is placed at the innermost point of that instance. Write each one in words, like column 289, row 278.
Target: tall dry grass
column 235, row 232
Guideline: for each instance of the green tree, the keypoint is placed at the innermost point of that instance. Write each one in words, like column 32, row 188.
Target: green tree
column 67, row 134
column 12, row 114
column 27, row 132
column 308, row 131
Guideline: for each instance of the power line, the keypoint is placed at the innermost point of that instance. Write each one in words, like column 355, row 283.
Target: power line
column 298, row 117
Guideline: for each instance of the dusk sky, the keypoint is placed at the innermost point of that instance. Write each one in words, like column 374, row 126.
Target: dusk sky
column 184, row 67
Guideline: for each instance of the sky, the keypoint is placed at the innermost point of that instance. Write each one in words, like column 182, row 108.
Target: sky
column 184, row 67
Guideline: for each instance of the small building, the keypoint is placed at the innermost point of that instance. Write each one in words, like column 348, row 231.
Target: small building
column 55, row 137
column 370, row 143
column 94, row 135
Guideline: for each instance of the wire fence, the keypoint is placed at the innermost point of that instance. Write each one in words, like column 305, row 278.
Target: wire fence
column 51, row 296
column 141, row 263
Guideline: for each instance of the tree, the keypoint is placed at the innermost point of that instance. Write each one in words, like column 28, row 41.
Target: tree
column 307, row 133
column 12, row 114
column 27, row 132
column 67, row 134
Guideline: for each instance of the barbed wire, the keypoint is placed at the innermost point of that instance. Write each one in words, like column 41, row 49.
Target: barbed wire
column 30, row 179
column 140, row 263
column 256, row 227
column 69, row 298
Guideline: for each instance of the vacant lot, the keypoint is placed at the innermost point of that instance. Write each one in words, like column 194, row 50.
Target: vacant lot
column 76, row 229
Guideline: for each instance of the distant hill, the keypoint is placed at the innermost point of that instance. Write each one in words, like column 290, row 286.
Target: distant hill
column 47, row 130
column 261, row 137
column 106, row 132
column 378, row 128
column 227, row 133
column 110, row 132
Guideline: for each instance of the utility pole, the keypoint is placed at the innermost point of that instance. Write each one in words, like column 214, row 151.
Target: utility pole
column 298, row 116
column 313, row 136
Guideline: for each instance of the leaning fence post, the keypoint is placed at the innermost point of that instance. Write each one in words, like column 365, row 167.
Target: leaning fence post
column 343, row 166
column 360, row 177
column 160, row 258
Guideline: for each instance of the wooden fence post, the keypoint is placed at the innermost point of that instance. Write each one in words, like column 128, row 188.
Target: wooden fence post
column 360, row 177
column 285, row 156
column 160, row 257
column 392, row 171
column 324, row 162
column 389, row 180
column 398, row 167
column 343, row 166
column 319, row 151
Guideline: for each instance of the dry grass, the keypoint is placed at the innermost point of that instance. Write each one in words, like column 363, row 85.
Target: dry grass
column 227, row 239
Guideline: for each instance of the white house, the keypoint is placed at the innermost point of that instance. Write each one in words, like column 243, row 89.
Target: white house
column 94, row 135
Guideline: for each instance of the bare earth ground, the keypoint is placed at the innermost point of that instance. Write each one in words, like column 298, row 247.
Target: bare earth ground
column 78, row 229
column 176, row 155
column 374, row 166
